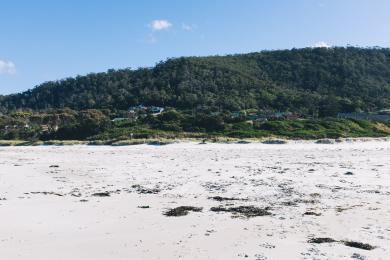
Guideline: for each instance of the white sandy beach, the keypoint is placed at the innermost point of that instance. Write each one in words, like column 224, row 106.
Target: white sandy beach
column 89, row 202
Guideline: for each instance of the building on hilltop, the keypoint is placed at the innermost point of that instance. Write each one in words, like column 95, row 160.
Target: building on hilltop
column 380, row 116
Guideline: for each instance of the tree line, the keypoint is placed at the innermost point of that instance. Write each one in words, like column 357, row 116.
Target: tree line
column 310, row 81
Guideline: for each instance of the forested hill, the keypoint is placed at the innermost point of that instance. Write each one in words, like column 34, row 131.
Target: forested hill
column 310, row 80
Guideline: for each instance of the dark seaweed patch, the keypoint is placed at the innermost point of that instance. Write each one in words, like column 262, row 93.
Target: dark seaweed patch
column 359, row 245
column 181, row 211
column 321, row 240
column 101, row 194
column 247, row 211
column 310, row 213
column 219, row 198
column 143, row 190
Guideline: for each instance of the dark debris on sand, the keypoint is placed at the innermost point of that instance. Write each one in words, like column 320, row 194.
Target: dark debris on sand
column 321, row 240
column 289, row 203
column 310, row 213
column 246, row 211
column 47, row 193
column 181, row 211
column 101, row 194
column 143, row 190
column 219, row 198
column 358, row 256
column 359, row 245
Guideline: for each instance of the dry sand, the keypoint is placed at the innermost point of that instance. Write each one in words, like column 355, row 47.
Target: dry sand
column 84, row 202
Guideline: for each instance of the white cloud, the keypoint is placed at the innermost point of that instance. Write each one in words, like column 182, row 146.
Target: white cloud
column 321, row 45
column 158, row 25
column 7, row 67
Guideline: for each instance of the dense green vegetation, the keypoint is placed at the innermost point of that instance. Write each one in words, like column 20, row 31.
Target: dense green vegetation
column 57, row 124
column 66, row 124
column 217, row 127
column 201, row 97
column 309, row 81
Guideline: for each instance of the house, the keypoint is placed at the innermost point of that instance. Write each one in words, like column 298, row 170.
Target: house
column 156, row 110
column 261, row 119
column 278, row 115
column 135, row 111
column 118, row 119
column 252, row 117
column 138, row 108
column 142, row 108
column 291, row 116
column 132, row 115
column 25, row 126
column 49, row 128
column 384, row 112
column 380, row 116
column 235, row 114
column 271, row 116
column 44, row 128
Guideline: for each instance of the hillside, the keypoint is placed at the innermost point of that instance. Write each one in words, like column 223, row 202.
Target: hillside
column 309, row 81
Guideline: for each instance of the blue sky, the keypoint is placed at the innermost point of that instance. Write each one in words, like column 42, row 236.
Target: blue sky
column 44, row 40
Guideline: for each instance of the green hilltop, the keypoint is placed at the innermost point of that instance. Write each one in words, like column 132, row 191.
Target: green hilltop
column 294, row 93
column 311, row 80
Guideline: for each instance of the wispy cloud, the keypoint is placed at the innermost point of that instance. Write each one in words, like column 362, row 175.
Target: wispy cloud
column 159, row 25
column 188, row 27
column 7, row 67
column 321, row 4
column 151, row 39
column 321, row 45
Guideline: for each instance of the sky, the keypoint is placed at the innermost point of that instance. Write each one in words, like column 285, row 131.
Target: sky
column 44, row 40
